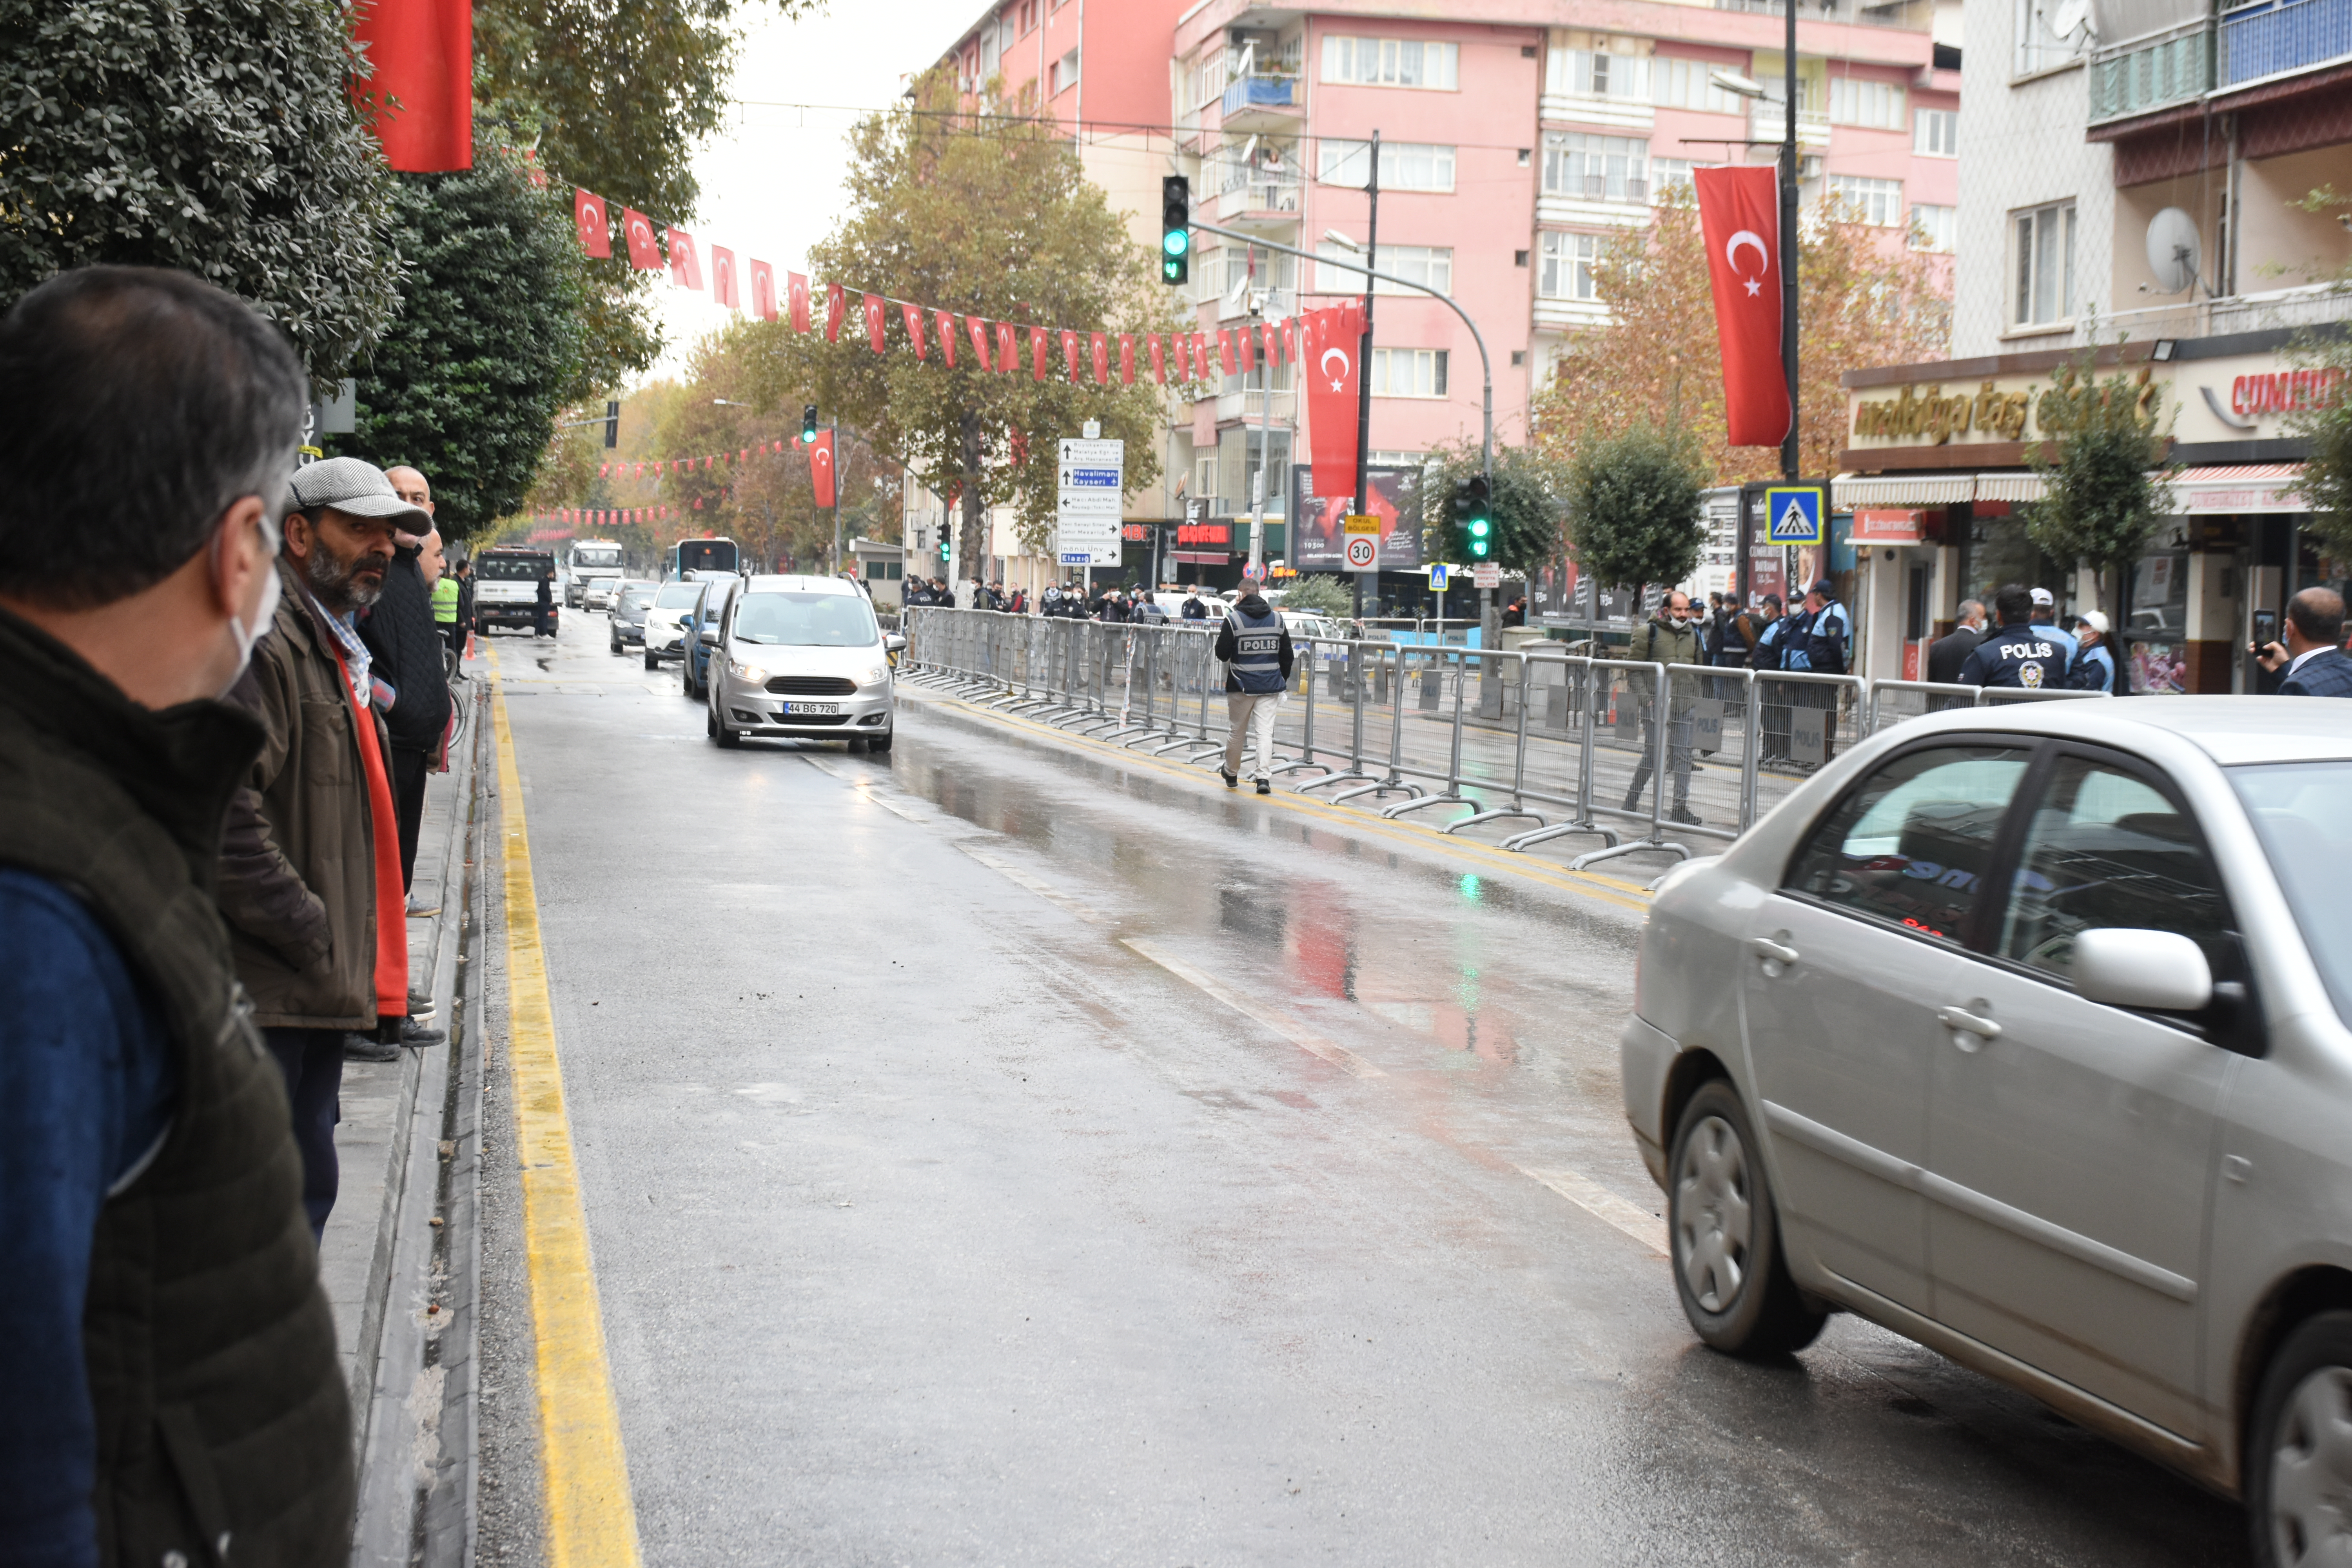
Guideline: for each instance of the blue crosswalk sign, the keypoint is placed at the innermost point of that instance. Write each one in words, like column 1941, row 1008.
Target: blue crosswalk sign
column 1793, row 514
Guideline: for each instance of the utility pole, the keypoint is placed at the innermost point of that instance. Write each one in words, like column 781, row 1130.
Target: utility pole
column 1789, row 169
column 836, row 494
column 1364, row 361
column 1265, row 436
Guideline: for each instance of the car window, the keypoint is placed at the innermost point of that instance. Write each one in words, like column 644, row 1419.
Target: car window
column 2302, row 814
column 1911, row 843
column 2105, row 848
column 808, row 620
column 677, row 596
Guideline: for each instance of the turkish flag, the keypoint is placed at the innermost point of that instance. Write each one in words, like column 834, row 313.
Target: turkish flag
column 421, row 76
column 978, row 330
column 1159, row 359
column 913, row 315
column 796, row 301
column 836, row 310
column 1008, row 349
column 1037, row 351
column 722, row 278
column 1070, row 353
column 875, row 318
column 595, row 228
column 1334, row 340
column 763, row 290
column 1273, row 340
column 1739, row 214
column 945, row 321
column 1226, row 350
column 638, row 231
column 820, row 466
column 685, row 268
column 1290, row 339
column 1243, row 337
column 1127, row 359
column 1100, row 344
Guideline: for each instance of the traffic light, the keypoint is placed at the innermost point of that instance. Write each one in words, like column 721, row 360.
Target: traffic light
column 1473, row 518
column 808, row 425
column 612, row 424
column 1175, row 230
column 943, row 547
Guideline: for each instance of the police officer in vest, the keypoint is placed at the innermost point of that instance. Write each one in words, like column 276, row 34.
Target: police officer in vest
column 2019, row 654
column 1819, row 642
column 1255, row 646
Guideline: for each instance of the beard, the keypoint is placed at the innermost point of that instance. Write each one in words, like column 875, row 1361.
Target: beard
column 337, row 583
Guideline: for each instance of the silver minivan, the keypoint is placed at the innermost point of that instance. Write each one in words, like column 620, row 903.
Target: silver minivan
column 801, row 657
column 2027, row 1033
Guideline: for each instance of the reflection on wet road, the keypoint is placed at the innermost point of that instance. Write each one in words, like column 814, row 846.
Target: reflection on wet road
column 1005, row 1150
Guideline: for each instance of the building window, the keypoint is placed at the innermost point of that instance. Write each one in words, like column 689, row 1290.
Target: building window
column 1936, row 133
column 1205, row 480
column 1595, row 168
column 1672, row 174
column 1567, row 271
column 1684, row 84
column 1934, row 227
column 1065, row 74
column 1390, row 62
column 2044, row 238
column 1408, row 372
column 1860, row 100
column 1878, row 203
column 1405, row 165
column 2038, row 46
column 1429, row 264
column 1596, row 65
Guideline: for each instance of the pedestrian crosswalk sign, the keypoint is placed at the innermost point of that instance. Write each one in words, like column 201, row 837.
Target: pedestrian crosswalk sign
column 1793, row 514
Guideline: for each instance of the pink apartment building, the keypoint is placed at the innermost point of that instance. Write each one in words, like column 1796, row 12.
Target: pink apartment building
column 1516, row 137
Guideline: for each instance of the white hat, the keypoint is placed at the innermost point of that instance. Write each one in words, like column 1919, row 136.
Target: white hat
column 2096, row 621
column 2041, row 596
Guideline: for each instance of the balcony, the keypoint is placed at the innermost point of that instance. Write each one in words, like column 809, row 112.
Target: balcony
column 1258, row 194
column 1251, row 405
column 2131, row 79
column 1769, row 121
column 2309, row 306
column 2273, row 39
column 1262, row 102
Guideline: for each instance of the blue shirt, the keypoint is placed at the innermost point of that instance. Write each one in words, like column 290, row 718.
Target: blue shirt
column 2067, row 640
column 87, row 1084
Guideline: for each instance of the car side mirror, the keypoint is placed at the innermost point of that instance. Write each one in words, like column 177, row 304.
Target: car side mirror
column 709, row 636
column 2161, row 971
column 894, row 643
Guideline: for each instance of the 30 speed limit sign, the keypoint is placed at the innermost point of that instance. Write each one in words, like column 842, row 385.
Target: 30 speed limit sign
column 1363, row 536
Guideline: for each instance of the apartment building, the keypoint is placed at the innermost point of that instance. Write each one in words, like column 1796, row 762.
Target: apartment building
column 1515, row 137
column 2136, row 170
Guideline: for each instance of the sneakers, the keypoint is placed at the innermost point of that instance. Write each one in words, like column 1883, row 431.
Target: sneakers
column 419, row 907
column 1687, row 817
column 1266, row 787
column 1233, row 781
column 368, row 1049
column 413, row 1033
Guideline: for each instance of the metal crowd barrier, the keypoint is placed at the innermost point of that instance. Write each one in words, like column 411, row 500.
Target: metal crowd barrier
column 1644, row 757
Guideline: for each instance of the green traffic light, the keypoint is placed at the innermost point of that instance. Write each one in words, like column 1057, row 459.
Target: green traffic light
column 1477, row 528
column 1176, row 241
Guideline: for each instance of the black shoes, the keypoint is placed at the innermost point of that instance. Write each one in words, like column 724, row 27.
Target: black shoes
column 413, row 1033
column 1266, row 787
column 1685, row 815
column 368, row 1049
column 1233, row 781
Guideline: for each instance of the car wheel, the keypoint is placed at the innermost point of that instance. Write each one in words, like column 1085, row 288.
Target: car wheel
column 2298, row 1462
column 880, row 743
column 856, row 744
column 653, row 661
column 1725, row 1234
column 614, row 643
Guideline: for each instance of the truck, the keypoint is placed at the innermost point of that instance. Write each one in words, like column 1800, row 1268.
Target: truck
column 506, row 588
column 591, row 559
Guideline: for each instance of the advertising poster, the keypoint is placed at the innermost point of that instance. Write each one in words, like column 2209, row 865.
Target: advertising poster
column 1318, row 544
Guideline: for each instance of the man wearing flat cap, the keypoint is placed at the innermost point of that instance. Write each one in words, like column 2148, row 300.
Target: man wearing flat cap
column 310, row 875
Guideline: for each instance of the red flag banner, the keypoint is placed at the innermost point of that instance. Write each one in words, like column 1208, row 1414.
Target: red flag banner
column 1127, row 359
column 684, row 266
column 1226, row 350
column 945, row 321
column 913, row 316
column 1070, row 352
column 820, row 466
column 1290, row 339
column 722, row 278
column 1334, row 342
column 1243, row 338
column 1008, row 349
column 1101, row 345
column 875, row 318
column 1037, row 352
column 1159, row 359
column 421, row 59
column 1738, row 211
column 1273, row 342
column 644, row 254
column 763, row 290
column 977, row 329
column 796, row 301
column 588, row 216
column 836, row 310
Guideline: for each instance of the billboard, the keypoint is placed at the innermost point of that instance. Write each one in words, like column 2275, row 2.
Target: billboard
column 1318, row 540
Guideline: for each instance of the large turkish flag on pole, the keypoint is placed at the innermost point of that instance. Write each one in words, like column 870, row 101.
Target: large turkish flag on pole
column 819, row 455
column 1334, row 339
column 421, row 55
column 1739, row 214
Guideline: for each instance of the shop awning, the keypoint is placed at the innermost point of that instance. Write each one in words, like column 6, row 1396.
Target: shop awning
column 1908, row 489
column 2010, row 486
column 2240, row 486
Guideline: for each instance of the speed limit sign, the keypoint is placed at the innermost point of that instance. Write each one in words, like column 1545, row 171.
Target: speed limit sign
column 1363, row 536
column 1362, row 553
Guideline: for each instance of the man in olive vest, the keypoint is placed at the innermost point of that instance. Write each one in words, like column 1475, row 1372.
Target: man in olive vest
column 1255, row 646
column 174, row 1394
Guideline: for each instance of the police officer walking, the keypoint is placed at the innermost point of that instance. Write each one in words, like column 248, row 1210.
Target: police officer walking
column 1819, row 644
column 2019, row 654
column 1255, row 646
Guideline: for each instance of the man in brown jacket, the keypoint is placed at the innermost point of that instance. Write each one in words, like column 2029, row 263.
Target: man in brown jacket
column 301, row 863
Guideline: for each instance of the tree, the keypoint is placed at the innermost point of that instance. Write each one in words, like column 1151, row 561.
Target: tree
column 2105, row 481
column 1633, row 510
column 1656, row 360
column 1320, row 595
column 467, row 383
column 996, row 218
column 1526, row 503
column 220, row 140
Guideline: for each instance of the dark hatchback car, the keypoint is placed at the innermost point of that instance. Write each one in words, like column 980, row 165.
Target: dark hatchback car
column 629, row 616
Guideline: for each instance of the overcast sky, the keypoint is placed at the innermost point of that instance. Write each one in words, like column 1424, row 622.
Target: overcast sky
column 770, row 178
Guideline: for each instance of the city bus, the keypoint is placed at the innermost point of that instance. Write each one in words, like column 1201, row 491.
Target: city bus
column 702, row 555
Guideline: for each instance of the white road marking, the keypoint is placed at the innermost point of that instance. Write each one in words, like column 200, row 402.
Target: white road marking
column 1037, row 885
column 866, row 791
column 1605, row 1206
column 1289, row 1028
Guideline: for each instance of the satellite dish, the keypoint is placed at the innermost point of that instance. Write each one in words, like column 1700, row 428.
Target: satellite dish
column 2068, row 18
column 2172, row 250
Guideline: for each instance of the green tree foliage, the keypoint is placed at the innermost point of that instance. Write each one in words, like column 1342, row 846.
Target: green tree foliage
column 1634, row 510
column 1528, row 501
column 219, row 138
column 996, row 218
column 2104, row 473
column 467, row 383
column 1321, row 594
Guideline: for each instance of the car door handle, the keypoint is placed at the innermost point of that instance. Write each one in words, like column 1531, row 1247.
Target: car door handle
column 1962, row 1022
column 1777, row 953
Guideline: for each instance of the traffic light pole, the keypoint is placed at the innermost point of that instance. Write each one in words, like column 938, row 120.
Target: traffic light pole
column 1363, row 363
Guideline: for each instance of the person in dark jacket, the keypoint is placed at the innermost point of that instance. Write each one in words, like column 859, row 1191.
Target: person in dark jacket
column 398, row 630
column 1768, row 631
column 2095, row 666
column 1948, row 653
column 1255, row 646
column 1193, row 610
column 2019, row 654
column 544, row 623
column 2313, row 655
column 164, row 1316
column 465, row 605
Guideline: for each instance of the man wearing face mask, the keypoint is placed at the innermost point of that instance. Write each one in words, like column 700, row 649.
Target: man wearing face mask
column 406, row 653
column 1669, row 637
column 164, row 1316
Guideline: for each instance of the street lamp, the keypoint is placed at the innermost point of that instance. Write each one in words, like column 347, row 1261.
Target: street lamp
column 727, row 403
column 1733, row 82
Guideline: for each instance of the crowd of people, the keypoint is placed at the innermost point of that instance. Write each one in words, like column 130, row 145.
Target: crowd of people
column 1059, row 601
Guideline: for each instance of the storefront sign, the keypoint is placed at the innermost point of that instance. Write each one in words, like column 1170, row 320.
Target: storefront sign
column 1189, row 535
column 1888, row 525
column 1135, row 533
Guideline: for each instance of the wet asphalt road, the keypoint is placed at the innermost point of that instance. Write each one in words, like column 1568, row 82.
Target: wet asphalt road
column 946, row 1210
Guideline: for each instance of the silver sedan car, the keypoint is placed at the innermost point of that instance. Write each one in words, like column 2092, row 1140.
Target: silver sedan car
column 2027, row 1034
column 801, row 657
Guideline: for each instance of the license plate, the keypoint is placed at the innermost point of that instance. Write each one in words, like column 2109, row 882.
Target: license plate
column 812, row 707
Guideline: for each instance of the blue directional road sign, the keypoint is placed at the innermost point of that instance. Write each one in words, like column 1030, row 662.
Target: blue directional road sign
column 1792, row 515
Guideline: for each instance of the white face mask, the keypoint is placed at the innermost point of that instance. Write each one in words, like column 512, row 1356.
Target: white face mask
column 272, row 588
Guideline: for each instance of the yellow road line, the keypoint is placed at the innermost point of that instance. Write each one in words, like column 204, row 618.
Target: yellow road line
column 592, row 1521
column 1614, row 891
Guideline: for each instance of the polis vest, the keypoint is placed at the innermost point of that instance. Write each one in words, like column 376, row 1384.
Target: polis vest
column 1257, row 652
